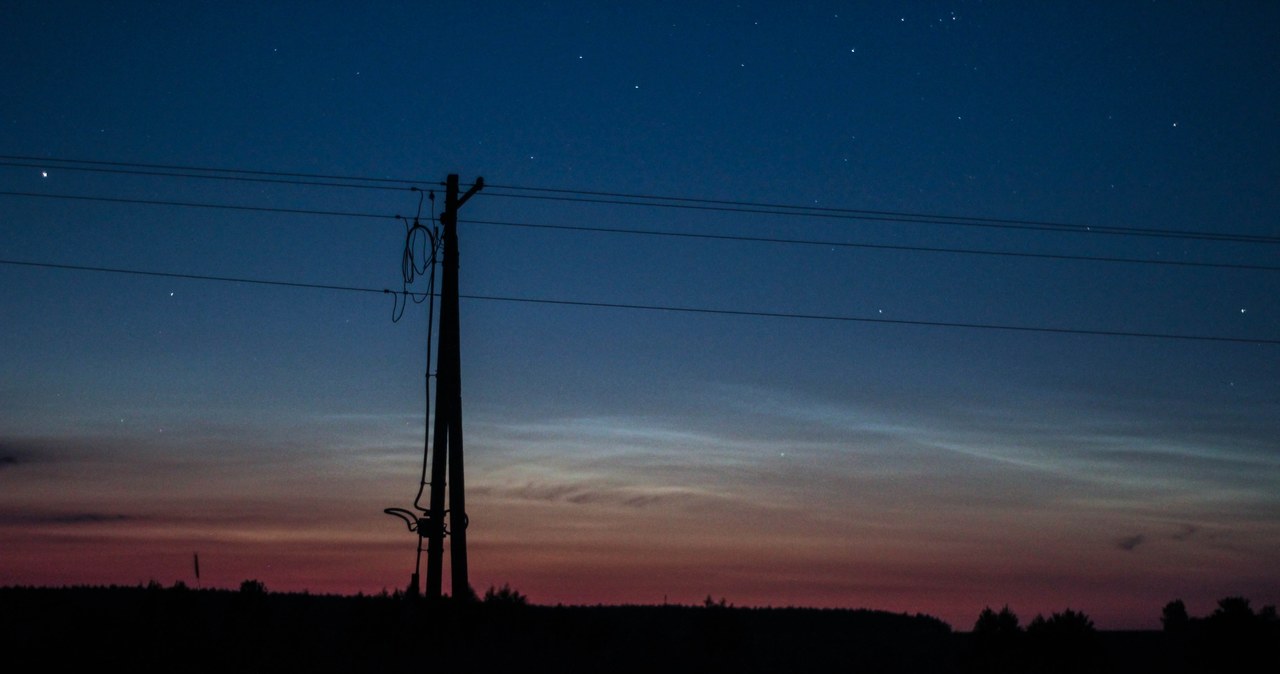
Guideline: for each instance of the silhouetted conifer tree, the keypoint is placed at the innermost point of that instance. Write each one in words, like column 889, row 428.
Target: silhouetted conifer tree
column 1064, row 642
column 997, row 638
column 1174, row 617
column 990, row 623
column 504, row 596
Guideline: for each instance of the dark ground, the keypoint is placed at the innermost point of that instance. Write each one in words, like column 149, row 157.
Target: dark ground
column 179, row 629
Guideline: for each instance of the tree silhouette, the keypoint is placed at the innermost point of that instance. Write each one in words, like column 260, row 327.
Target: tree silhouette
column 992, row 624
column 1064, row 642
column 504, row 596
column 1174, row 616
column 1234, row 638
column 253, row 588
column 712, row 603
column 997, row 642
column 1233, row 612
column 1067, row 623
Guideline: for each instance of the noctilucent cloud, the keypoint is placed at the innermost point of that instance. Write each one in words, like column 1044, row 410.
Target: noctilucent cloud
column 1108, row 176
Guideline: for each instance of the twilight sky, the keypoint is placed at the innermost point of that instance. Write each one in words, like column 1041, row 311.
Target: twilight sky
column 624, row 455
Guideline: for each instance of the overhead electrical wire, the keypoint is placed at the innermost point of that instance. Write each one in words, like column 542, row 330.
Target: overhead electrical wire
column 415, row 264
column 197, row 277
column 859, row 319
column 666, row 308
column 49, row 161
column 853, row 211
column 653, row 201
column 872, row 246
column 196, row 204
column 926, row 220
column 198, row 176
column 642, row 232
column 418, row 258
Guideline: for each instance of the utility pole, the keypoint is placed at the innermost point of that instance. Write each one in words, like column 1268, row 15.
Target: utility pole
column 447, row 436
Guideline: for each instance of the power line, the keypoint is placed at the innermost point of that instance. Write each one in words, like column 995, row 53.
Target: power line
column 852, row 211
column 204, row 277
column 921, row 219
column 686, row 235
column 198, row 176
column 872, row 246
column 206, row 169
column 197, row 204
column 857, row 319
column 660, row 201
column 665, row 308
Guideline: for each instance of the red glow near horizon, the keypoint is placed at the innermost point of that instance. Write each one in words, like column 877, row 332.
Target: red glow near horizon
column 613, row 571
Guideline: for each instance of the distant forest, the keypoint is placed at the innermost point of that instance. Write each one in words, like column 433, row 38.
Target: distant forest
column 179, row 628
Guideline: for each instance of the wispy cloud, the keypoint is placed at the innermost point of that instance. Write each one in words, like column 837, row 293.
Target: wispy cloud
column 55, row 518
column 23, row 450
column 1129, row 543
column 585, row 493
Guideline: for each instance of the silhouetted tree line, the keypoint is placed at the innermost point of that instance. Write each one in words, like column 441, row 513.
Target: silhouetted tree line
column 1232, row 638
column 183, row 629
column 252, row 629
column 504, row 596
column 1063, row 642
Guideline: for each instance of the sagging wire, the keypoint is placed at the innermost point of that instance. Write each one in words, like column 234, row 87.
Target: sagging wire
column 431, row 315
column 421, row 249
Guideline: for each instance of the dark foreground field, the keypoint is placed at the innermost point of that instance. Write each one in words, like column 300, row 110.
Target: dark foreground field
column 180, row 629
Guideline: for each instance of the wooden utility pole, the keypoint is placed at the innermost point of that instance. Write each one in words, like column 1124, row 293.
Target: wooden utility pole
column 447, row 436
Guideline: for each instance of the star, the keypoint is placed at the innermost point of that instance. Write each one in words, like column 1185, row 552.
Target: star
column 44, row 174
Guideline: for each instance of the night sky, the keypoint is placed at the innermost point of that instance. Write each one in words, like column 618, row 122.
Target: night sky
column 624, row 455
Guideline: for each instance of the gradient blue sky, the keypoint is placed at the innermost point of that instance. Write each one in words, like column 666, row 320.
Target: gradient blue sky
column 627, row 456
